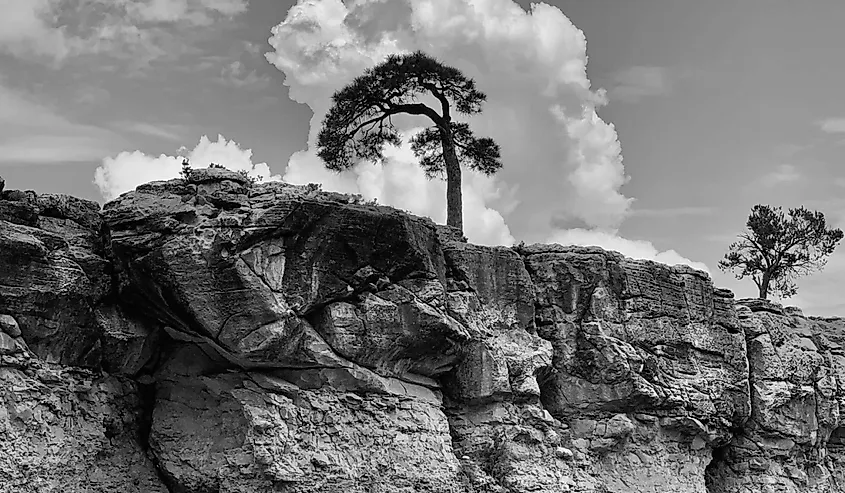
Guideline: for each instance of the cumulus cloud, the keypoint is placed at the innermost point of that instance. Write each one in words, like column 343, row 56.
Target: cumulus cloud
column 127, row 170
column 564, row 158
column 25, row 27
column 401, row 183
column 609, row 240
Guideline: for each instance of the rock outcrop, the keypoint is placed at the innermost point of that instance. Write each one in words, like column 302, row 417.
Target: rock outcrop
column 793, row 439
column 218, row 335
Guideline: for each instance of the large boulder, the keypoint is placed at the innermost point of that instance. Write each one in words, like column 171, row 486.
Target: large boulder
column 246, row 268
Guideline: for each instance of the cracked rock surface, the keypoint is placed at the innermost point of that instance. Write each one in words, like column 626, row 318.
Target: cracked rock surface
column 212, row 335
column 793, row 439
column 69, row 429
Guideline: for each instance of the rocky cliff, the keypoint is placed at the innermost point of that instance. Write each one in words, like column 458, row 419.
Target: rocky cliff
column 212, row 335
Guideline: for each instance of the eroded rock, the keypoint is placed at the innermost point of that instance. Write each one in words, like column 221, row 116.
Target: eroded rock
column 252, row 337
column 792, row 439
column 69, row 430
column 240, row 267
column 231, row 433
column 49, row 294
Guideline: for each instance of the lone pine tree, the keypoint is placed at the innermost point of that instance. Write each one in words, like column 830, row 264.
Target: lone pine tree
column 359, row 124
column 778, row 248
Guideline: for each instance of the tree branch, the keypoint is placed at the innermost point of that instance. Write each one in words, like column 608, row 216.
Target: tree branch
column 373, row 121
column 759, row 248
column 444, row 103
column 417, row 109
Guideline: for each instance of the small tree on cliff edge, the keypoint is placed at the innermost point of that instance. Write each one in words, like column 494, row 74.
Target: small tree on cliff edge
column 359, row 123
column 778, row 248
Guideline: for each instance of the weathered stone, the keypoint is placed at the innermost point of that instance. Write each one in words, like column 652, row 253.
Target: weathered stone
column 128, row 343
column 54, row 273
column 217, row 434
column 792, row 438
column 70, row 431
column 393, row 332
column 50, row 295
column 492, row 294
column 7, row 344
column 216, row 175
column 498, row 278
column 285, row 338
column 18, row 213
column 564, row 453
column 631, row 336
column 249, row 273
column 9, row 325
column 357, row 379
column 501, row 366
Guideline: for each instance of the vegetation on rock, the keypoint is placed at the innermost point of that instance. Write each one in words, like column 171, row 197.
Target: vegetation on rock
column 359, row 123
column 186, row 172
column 778, row 248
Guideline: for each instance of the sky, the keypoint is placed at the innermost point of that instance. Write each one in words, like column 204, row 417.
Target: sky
column 650, row 127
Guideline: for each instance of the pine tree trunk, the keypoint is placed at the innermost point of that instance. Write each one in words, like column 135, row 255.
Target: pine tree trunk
column 764, row 286
column 454, row 200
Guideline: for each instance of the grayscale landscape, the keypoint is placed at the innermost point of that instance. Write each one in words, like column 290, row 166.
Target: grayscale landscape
column 392, row 246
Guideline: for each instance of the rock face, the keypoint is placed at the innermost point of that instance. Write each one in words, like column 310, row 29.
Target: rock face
column 793, row 441
column 217, row 335
column 69, row 429
column 54, row 273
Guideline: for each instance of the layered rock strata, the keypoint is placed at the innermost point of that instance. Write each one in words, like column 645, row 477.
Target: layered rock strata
column 238, row 337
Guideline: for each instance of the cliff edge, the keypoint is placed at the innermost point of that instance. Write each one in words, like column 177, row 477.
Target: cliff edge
column 213, row 335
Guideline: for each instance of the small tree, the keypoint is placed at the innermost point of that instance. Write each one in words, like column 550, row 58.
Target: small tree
column 186, row 169
column 778, row 248
column 359, row 123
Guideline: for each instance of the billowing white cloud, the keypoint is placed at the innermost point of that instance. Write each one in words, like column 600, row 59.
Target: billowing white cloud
column 25, row 27
column 560, row 157
column 127, row 170
column 609, row 240
column 401, row 183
